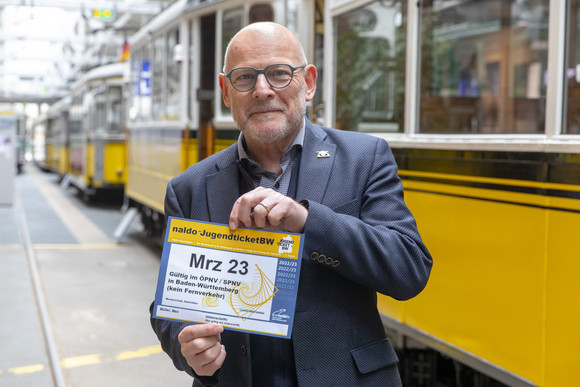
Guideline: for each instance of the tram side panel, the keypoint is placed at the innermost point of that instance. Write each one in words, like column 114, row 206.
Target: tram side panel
column 485, row 290
column 562, row 284
column 106, row 161
column 502, row 284
column 114, row 162
column 155, row 156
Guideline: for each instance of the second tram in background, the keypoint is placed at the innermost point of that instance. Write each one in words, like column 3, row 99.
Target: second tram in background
column 84, row 133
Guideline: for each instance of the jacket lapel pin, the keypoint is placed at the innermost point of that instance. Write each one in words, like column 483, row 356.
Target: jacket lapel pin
column 322, row 154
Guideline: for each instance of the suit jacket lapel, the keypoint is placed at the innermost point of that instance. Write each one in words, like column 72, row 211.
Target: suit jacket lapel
column 313, row 177
column 224, row 184
column 315, row 167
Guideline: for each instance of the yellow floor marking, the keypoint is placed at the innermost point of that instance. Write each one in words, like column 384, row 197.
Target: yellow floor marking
column 86, row 360
column 79, row 361
column 143, row 352
column 26, row 369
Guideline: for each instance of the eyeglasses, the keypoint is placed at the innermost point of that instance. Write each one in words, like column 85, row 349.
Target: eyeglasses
column 278, row 75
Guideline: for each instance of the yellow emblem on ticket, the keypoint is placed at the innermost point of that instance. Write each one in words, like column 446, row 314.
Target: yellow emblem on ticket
column 250, row 297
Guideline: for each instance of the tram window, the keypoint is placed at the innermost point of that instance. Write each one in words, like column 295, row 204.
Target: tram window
column 98, row 115
column 233, row 21
column 370, row 67
column 174, row 61
column 115, row 111
column 75, row 123
column 291, row 9
column 573, row 70
column 159, row 53
column 483, row 66
column 261, row 13
column 144, row 89
column 50, row 128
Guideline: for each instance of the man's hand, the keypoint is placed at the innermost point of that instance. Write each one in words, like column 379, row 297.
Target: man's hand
column 202, row 348
column 268, row 209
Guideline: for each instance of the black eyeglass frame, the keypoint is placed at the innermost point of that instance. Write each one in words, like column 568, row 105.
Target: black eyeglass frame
column 263, row 71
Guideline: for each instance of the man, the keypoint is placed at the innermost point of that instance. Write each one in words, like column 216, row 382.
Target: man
column 339, row 188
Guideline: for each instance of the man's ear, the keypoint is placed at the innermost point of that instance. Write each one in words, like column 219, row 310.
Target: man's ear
column 225, row 89
column 310, row 75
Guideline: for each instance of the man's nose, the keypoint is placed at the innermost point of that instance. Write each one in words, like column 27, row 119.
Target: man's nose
column 262, row 87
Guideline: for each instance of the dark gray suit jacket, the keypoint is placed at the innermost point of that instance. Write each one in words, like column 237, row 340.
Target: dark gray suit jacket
column 360, row 239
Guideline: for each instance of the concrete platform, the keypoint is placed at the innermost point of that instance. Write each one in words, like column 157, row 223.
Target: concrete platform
column 96, row 293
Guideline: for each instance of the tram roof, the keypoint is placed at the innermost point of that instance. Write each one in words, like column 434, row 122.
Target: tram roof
column 106, row 71
column 160, row 21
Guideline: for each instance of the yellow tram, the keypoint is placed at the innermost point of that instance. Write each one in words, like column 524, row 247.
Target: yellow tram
column 176, row 116
column 96, row 130
column 52, row 127
column 478, row 101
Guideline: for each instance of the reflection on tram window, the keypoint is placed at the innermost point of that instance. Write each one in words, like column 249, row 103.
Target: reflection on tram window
column 174, row 59
column 370, row 67
column 141, row 78
column 483, row 66
column 573, row 70
column 135, row 60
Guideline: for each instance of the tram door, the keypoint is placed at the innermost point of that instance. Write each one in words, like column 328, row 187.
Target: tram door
column 206, row 92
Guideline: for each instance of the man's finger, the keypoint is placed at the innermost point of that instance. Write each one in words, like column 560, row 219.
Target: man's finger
column 192, row 332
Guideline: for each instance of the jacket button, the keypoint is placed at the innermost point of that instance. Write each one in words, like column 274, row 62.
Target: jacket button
column 335, row 263
column 243, row 348
column 314, row 255
column 329, row 261
column 321, row 258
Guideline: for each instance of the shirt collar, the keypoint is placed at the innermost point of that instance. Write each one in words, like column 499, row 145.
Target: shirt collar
column 298, row 140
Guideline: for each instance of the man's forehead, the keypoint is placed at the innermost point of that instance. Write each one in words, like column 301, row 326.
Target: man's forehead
column 260, row 51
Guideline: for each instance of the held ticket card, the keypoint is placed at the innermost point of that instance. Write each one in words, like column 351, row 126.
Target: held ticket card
column 243, row 280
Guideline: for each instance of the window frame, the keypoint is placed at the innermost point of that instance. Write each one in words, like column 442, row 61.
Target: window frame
column 552, row 138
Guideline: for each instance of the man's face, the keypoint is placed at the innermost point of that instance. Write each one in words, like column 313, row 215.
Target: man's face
column 264, row 113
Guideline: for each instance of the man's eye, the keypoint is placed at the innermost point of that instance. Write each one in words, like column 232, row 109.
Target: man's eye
column 279, row 73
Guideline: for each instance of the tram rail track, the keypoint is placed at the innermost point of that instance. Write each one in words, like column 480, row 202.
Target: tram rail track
column 50, row 344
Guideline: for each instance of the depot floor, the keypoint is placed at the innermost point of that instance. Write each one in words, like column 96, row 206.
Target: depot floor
column 75, row 304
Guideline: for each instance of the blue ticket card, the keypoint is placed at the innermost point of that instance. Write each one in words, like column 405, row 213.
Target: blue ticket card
column 245, row 280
